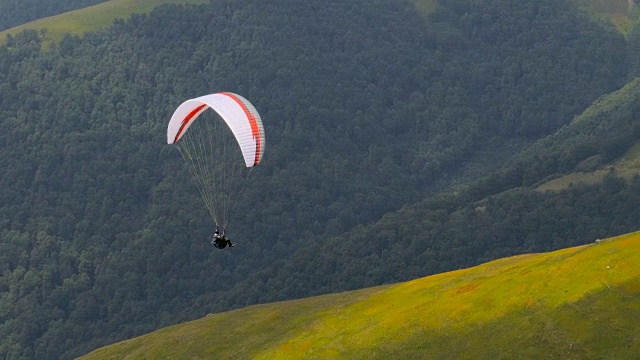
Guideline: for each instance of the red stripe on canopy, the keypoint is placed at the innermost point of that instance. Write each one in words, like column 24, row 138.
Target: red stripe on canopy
column 187, row 120
column 255, row 130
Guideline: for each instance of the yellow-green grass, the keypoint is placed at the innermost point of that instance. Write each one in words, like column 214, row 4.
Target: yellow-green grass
column 581, row 302
column 627, row 167
column 88, row 19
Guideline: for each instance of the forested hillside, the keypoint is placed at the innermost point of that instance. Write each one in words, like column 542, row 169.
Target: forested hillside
column 372, row 114
column 16, row 12
column 498, row 215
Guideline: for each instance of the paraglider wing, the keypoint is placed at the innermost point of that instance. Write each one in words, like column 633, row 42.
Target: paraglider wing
column 209, row 145
column 238, row 113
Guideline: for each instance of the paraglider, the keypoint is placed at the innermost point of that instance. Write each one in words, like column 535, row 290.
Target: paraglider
column 220, row 240
column 219, row 150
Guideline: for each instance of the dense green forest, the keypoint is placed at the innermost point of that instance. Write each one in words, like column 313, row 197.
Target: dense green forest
column 16, row 12
column 397, row 146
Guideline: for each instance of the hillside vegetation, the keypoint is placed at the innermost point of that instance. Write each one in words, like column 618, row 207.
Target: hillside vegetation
column 87, row 19
column 576, row 303
column 64, row 17
column 617, row 116
column 16, row 12
column 395, row 150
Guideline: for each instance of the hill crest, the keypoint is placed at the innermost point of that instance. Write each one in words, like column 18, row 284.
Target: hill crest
column 102, row 15
column 564, row 302
column 91, row 18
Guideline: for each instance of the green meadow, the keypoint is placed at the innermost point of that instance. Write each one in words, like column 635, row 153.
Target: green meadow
column 576, row 303
column 627, row 167
column 102, row 15
column 608, row 112
column 92, row 18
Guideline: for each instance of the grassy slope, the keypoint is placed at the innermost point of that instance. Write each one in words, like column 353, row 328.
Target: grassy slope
column 581, row 302
column 602, row 110
column 91, row 18
column 628, row 166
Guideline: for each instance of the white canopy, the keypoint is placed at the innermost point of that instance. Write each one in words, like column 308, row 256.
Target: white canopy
column 238, row 113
